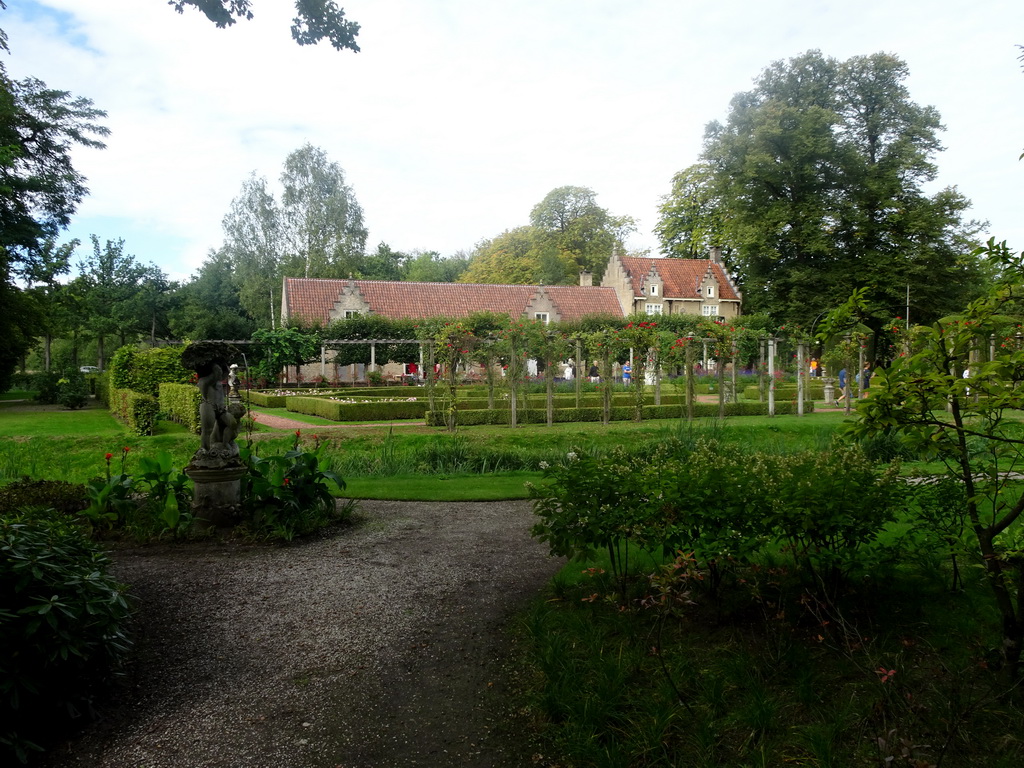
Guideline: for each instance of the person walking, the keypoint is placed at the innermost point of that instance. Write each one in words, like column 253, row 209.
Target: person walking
column 865, row 380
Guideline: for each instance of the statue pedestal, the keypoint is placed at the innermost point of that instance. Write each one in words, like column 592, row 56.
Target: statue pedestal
column 216, row 501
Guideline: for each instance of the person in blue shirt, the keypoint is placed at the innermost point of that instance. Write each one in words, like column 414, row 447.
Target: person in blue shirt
column 627, row 373
column 842, row 385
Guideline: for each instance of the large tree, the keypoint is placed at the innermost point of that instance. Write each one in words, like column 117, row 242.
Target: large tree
column 316, row 230
column 568, row 233
column 816, row 180
column 39, row 191
column 315, row 20
column 581, row 232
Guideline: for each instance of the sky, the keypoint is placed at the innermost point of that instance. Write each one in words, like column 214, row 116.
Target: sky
column 458, row 116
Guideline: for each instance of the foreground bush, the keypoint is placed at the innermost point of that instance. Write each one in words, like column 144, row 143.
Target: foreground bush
column 62, row 627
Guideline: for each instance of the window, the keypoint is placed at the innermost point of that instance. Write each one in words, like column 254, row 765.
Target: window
column 709, row 310
column 711, row 291
column 654, row 309
column 541, row 316
column 351, row 313
column 654, row 289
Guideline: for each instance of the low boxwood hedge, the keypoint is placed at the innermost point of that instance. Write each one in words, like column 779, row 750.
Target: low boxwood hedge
column 336, row 410
column 477, row 417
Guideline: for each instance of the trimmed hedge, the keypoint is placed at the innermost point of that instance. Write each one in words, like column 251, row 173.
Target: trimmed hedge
column 788, row 392
column 144, row 370
column 476, row 417
column 264, row 400
column 336, row 410
column 180, row 403
column 135, row 410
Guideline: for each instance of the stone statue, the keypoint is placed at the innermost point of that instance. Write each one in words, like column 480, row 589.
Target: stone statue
column 233, row 382
column 218, row 422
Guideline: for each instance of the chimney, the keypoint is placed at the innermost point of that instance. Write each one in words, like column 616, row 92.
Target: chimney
column 586, row 279
column 715, row 254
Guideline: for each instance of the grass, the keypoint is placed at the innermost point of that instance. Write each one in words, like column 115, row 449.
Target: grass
column 492, row 487
column 766, row 674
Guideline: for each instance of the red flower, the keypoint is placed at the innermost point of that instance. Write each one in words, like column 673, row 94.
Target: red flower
column 285, row 481
column 298, row 433
column 126, row 449
column 108, row 457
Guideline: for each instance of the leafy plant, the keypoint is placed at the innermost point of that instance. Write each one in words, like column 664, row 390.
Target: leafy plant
column 290, row 495
column 110, row 498
column 168, row 494
column 62, row 626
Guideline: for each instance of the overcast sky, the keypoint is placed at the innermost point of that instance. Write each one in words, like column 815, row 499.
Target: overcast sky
column 458, row 116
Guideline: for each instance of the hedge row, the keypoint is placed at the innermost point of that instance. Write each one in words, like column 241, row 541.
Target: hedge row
column 788, row 392
column 144, row 370
column 180, row 403
column 618, row 413
column 135, row 410
column 265, row 400
column 335, row 410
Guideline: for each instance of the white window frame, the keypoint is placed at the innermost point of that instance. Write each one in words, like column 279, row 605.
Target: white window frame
column 653, row 309
column 711, row 291
column 542, row 316
column 709, row 310
column 654, row 289
column 351, row 313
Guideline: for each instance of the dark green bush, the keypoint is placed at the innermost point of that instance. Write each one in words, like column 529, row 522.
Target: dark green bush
column 62, row 627
column 67, row 499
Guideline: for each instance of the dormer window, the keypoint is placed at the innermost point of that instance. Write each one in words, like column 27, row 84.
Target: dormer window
column 542, row 316
column 711, row 292
column 654, row 289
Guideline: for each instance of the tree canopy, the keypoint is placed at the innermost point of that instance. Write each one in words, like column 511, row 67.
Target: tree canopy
column 568, row 233
column 39, row 191
column 815, row 186
column 315, row 20
column 316, row 230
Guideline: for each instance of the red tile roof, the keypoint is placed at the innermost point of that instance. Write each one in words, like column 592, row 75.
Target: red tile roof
column 682, row 277
column 313, row 299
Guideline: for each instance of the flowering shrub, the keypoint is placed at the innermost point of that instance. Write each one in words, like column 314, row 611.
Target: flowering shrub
column 722, row 509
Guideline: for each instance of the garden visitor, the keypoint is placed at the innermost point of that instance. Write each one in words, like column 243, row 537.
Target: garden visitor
column 627, row 373
column 594, row 375
column 865, row 379
column 842, row 385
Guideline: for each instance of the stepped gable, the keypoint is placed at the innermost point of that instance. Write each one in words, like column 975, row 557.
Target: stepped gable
column 310, row 299
column 681, row 277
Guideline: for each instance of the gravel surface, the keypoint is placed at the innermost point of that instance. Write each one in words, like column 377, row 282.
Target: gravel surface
column 378, row 645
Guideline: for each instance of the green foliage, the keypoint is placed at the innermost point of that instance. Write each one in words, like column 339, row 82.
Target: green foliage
column 168, row 495
column 279, row 348
column 180, row 403
column 289, row 495
column 62, row 626
column 977, row 435
column 826, row 508
column 135, row 410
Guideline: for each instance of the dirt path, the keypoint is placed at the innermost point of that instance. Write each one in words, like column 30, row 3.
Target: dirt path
column 379, row 645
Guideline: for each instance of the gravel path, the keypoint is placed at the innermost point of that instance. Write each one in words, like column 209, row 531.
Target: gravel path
column 378, row 645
